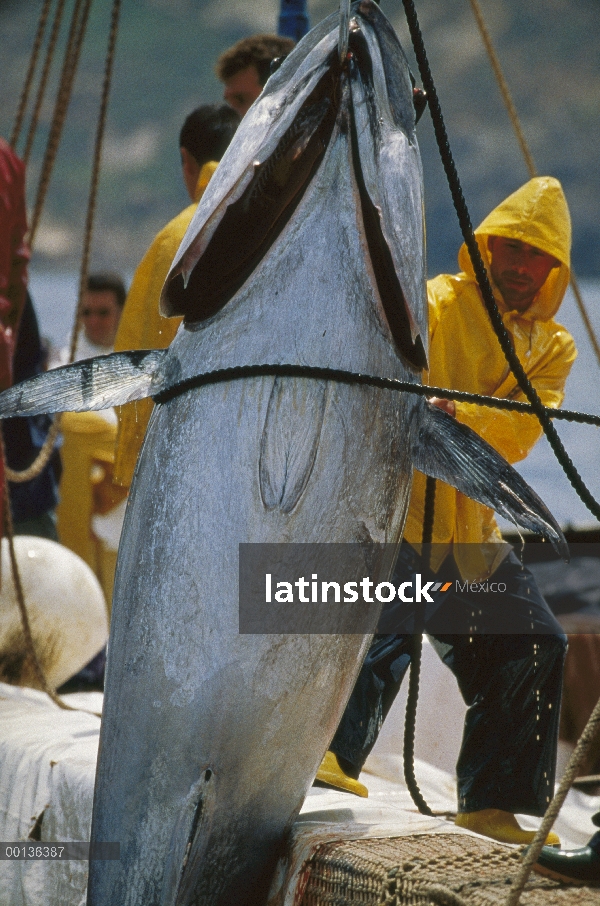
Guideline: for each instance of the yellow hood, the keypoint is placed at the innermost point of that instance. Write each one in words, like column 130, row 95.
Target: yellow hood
column 538, row 214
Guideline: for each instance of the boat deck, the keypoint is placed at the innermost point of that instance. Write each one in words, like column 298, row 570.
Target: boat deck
column 342, row 850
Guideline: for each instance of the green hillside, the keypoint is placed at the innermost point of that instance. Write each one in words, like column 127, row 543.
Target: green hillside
column 165, row 57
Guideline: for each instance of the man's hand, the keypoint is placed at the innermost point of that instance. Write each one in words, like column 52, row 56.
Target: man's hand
column 448, row 406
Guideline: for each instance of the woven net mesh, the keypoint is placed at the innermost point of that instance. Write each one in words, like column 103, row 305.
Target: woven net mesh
column 422, row 870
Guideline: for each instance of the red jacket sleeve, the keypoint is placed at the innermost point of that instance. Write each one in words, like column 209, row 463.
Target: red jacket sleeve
column 14, row 255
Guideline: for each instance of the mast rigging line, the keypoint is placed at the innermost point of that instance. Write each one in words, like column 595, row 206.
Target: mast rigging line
column 73, row 47
column 526, row 151
column 75, row 38
column 43, row 80
column 91, row 210
column 79, row 18
column 74, row 44
column 46, row 451
column 37, row 43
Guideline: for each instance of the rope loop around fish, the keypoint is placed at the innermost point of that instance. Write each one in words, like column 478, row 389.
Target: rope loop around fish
column 241, row 372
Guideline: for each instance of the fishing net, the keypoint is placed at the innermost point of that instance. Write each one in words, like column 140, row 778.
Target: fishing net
column 436, row 870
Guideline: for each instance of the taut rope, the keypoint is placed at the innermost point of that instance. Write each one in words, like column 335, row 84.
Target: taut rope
column 91, row 210
column 408, row 754
column 77, row 29
column 35, row 51
column 35, row 116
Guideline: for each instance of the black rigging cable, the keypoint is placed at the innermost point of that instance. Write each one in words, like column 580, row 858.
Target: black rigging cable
column 480, row 271
column 240, row 372
column 410, row 720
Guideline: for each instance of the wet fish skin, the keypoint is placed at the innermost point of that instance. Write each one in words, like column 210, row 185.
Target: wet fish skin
column 265, row 459
column 210, row 739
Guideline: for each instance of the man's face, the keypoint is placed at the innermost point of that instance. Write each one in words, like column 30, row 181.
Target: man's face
column 100, row 316
column 519, row 270
column 242, row 89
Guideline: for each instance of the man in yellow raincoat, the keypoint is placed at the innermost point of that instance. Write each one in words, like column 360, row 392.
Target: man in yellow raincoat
column 203, row 140
column 510, row 669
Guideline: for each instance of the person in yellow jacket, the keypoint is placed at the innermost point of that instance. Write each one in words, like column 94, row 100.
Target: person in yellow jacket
column 498, row 637
column 203, row 140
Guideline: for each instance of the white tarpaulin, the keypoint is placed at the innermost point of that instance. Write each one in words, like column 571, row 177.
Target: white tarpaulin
column 48, row 763
column 47, row 768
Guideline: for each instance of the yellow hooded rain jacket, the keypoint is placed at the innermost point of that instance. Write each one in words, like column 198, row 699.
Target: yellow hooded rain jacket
column 143, row 327
column 465, row 355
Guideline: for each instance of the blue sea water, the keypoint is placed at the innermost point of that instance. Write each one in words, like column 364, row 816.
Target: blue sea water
column 54, row 297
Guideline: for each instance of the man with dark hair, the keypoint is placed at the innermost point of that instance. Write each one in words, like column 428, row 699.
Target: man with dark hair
column 245, row 68
column 100, row 315
column 107, row 282
column 204, row 137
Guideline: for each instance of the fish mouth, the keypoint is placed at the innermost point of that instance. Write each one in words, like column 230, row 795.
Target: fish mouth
column 252, row 224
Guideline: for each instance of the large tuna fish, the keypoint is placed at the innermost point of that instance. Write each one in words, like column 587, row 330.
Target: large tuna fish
column 307, row 248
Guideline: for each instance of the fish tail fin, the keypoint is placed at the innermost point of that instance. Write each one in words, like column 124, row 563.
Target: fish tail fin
column 98, row 383
column 444, row 448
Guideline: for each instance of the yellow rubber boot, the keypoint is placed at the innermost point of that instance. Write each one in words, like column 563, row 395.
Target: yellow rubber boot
column 500, row 826
column 330, row 774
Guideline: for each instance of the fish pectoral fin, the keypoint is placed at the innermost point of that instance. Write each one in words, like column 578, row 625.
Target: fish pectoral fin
column 444, row 448
column 98, row 383
column 290, row 440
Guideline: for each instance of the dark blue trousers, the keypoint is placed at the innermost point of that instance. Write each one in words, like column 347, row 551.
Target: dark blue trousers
column 509, row 672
